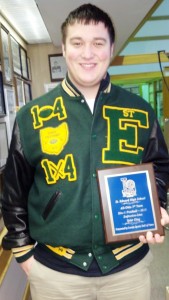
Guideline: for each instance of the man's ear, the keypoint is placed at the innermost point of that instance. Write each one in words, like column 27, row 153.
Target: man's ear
column 111, row 53
column 112, row 50
column 63, row 49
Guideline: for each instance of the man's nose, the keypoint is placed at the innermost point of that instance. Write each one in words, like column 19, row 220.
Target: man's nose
column 87, row 51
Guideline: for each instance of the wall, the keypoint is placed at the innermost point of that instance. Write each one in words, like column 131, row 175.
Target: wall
column 38, row 55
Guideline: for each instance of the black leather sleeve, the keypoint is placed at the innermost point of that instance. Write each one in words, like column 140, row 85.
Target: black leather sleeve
column 157, row 153
column 18, row 178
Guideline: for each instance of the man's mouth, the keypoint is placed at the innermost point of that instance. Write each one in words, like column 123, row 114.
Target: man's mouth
column 88, row 66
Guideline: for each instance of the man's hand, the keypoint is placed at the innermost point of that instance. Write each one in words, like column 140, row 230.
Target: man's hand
column 156, row 238
column 164, row 217
column 26, row 265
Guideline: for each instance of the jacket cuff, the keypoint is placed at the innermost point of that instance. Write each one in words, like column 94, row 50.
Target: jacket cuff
column 21, row 254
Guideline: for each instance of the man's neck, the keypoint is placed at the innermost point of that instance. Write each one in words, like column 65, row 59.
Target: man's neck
column 90, row 92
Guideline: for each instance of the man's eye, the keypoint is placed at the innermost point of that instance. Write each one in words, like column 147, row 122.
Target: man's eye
column 77, row 44
column 98, row 44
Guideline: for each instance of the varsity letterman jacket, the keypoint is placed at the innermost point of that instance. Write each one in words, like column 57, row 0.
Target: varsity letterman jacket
column 51, row 195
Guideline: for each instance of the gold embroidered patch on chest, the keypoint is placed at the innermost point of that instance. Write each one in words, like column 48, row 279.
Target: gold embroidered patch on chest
column 54, row 139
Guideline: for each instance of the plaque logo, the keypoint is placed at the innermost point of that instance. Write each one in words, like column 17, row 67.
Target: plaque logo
column 129, row 187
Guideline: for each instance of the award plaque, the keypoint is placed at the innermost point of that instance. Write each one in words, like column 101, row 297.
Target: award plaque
column 129, row 202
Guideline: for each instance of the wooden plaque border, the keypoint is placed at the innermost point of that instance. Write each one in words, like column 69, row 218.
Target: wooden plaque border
column 107, row 209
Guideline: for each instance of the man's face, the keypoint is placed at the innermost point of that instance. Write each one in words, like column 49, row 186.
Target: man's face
column 88, row 52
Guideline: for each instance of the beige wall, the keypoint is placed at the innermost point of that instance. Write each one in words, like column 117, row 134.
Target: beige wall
column 38, row 55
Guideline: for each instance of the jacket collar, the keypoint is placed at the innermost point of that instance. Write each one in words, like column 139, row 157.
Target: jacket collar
column 72, row 91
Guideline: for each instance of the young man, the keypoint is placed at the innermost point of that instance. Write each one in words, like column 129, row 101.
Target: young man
column 51, row 203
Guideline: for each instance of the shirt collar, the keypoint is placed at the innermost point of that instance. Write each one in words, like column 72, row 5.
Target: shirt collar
column 71, row 90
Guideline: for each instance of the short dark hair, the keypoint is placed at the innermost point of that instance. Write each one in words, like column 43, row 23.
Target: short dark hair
column 86, row 14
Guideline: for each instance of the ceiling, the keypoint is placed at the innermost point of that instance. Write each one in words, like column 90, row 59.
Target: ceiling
column 39, row 21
